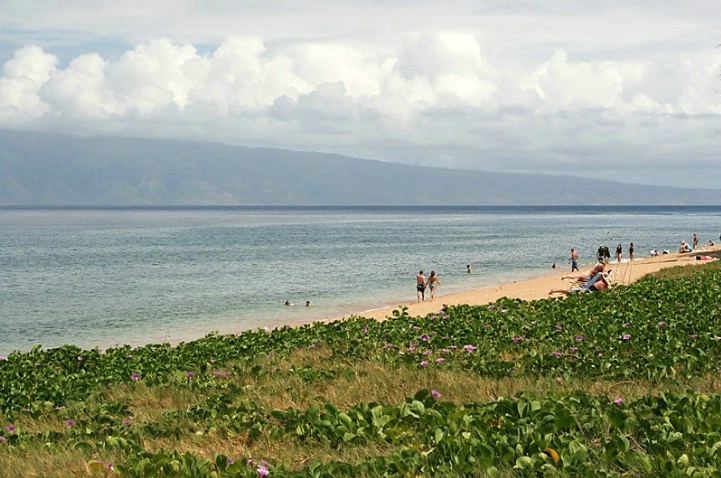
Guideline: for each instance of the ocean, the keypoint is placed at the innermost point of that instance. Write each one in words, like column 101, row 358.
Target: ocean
column 102, row 277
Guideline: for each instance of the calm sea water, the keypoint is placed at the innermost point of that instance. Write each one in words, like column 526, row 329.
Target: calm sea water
column 110, row 276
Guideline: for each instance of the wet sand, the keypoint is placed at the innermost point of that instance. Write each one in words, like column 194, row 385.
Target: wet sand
column 539, row 287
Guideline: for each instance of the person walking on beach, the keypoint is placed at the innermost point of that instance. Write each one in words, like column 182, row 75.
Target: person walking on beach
column 619, row 253
column 606, row 255
column 599, row 254
column 574, row 260
column 695, row 241
column 433, row 282
column 630, row 252
column 421, row 286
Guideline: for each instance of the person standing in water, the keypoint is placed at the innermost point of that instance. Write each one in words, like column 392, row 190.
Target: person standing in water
column 574, row 260
column 433, row 282
column 630, row 252
column 421, row 286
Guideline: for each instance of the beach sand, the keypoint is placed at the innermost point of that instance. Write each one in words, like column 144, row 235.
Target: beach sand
column 539, row 287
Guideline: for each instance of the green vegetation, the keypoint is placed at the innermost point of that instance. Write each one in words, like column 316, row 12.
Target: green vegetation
column 620, row 383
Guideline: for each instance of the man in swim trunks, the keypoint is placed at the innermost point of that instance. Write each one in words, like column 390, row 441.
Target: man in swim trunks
column 421, row 286
column 574, row 260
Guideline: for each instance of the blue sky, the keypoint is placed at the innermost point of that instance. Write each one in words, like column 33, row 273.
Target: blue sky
column 612, row 90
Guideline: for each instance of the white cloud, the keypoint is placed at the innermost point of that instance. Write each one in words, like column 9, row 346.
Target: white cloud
column 490, row 88
column 22, row 78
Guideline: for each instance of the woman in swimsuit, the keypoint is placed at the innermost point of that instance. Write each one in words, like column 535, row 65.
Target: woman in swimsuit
column 433, row 282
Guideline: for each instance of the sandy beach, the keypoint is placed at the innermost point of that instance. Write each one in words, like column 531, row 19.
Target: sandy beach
column 539, row 287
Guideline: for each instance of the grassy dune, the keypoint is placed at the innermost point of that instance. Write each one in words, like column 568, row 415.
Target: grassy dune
column 620, row 383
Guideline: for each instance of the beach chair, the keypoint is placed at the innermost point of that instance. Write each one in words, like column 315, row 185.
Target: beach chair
column 608, row 276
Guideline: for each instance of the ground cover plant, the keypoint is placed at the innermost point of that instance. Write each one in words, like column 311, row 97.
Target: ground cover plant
column 621, row 383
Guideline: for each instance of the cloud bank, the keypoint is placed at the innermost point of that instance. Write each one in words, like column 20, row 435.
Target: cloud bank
column 442, row 97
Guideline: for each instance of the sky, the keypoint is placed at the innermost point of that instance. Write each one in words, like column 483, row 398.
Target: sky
column 609, row 89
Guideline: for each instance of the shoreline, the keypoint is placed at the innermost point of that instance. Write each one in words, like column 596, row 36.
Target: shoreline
column 537, row 287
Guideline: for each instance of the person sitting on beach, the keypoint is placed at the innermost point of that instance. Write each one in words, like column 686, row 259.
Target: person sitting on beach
column 588, row 275
column 307, row 303
column 598, row 284
column 684, row 248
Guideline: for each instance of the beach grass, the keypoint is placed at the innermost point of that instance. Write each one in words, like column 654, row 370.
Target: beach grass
column 515, row 388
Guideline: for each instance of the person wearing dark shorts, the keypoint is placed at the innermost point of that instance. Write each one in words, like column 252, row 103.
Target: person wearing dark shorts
column 421, row 286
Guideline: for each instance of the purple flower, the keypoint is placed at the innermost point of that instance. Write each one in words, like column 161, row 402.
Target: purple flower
column 80, row 359
column 446, row 316
column 517, row 339
column 599, row 355
column 11, row 428
column 135, row 377
column 469, row 348
column 425, row 337
column 249, row 462
column 263, row 471
column 388, row 346
column 70, row 422
column 212, row 360
column 558, row 327
column 221, row 374
column 556, row 353
column 436, row 394
column 572, row 349
column 127, row 422
column 618, row 401
column 662, row 324
column 2, row 439
column 189, row 374
column 365, row 331
column 231, row 460
column 440, row 360
column 626, row 337
column 424, row 363
column 579, row 338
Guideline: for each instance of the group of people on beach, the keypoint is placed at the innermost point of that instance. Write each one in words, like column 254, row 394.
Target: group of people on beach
column 431, row 282
column 603, row 254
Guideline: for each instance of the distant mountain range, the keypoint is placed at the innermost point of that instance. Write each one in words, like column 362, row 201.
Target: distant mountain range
column 38, row 169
